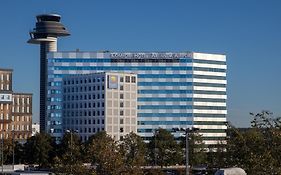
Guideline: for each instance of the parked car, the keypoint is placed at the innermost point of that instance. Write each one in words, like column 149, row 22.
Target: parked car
column 231, row 171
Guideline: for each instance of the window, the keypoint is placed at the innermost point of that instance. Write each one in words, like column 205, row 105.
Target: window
column 121, row 104
column 121, row 121
column 133, row 80
column 121, row 87
column 121, row 96
column 121, row 130
column 121, row 112
column 121, row 79
column 127, row 79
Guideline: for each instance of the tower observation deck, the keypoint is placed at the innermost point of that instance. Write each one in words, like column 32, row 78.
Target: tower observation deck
column 48, row 29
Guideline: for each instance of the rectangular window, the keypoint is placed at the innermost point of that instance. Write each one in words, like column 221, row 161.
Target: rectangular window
column 127, row 79
column 133, row 79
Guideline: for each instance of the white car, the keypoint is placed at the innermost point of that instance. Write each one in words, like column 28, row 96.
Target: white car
column 231, row 171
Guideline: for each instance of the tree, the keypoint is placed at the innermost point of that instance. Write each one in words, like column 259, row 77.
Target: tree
column 257, row 150
column 133, row 150
column 70, row 161
column 163, row 149
column 105, row 154
column 12, row 148
column 196, row 149
column 37, row 150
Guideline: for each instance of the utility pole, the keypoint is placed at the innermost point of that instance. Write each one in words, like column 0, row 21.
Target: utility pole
column 2, row 151
column 186, row 131
column 13, row 149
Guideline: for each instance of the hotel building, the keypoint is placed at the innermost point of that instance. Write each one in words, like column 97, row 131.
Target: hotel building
column 100, row 101
column 15, row 109
column 174, row 89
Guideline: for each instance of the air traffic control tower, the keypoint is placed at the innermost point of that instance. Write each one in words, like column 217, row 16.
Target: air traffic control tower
column 48, row 29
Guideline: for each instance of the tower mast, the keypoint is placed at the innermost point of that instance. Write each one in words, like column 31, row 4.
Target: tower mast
column 48, row 29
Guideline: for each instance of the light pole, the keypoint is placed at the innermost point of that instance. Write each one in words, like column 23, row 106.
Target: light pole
column 70, row 131
column 187, row 131
column 71, row 147
column 13, row 140
column 2, row 151
column 155, row 155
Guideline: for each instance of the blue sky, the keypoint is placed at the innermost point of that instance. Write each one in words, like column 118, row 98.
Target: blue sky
column 248, row 32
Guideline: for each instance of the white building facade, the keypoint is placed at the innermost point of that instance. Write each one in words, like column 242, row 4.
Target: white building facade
column 100, row 102
column 174, row 89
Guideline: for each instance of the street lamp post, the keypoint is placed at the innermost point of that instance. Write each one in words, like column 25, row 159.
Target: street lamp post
column 71, row 147
column 13, row 140
column 187, row 131
column 2, row 151
column 155, row 155
column 70, row 131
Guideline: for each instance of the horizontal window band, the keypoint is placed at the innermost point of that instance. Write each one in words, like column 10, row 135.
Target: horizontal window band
column 164, row 107
column 164, row 84
column 209, row 92
column 210, row 77
column 164, row 123
column 208, row 123
column 208, row 100
column 180, row 107
column 122, row 68
column 212, row 130
column 209, row 84
column 164, row 75
column 209, row 62
column 165, row 91
column 210, row 107
column 164, row 115
column 120, row 60
column 164, row 99
column 210, row 115
column 180, row 92
column 209, row 69
column 180, row 99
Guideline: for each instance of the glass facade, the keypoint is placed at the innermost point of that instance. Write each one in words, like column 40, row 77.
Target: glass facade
column 175, row 90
